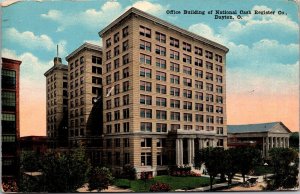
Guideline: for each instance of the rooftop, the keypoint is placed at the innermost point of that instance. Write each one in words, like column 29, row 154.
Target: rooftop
column 163, row 23
column 252, row 128
column 85, row 45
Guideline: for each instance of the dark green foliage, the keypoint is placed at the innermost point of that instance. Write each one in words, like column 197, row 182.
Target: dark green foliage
column 231, row 163
column 29, row 161
column 129, row 172
column 100, row 178
column 284, row 162
column 294, row 140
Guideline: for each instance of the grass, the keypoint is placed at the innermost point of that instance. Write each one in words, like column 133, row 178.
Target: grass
column 262, row 170
column 174, row 182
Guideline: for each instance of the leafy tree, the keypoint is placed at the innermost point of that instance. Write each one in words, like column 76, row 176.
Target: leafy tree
column 100, row 178
column 284, row 162
column 129, row 172
column 231, row 163
column 29, row 161
column 294, row 140
column 213, row 158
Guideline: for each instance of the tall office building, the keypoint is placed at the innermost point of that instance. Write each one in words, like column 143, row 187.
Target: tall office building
column 57, row 104
column 164, row 93
column 85, row 98
column 10, row 119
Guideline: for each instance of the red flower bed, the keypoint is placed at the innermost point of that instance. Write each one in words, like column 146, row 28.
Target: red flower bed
column 10, row 186
column 160, row 187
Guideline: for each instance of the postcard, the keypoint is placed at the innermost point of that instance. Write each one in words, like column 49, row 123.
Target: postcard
column 149, row 96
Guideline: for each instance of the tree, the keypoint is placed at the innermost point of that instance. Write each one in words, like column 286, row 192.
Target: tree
column 29, row 161
column 231, row 163
column 284, row 162
column 294, row 140
column 129, row 172
column 213, row 158
column 247, row 159
column 100, row 178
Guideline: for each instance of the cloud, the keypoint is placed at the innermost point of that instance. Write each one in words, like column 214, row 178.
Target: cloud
column 32, row 41
column 97, row 18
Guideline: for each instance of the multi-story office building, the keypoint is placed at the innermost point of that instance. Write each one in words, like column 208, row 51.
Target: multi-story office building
column 57, row 104
column 10, row 119
column 164, row 93
column 85, row 97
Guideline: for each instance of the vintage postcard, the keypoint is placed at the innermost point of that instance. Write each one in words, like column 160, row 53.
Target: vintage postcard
column 149, row 95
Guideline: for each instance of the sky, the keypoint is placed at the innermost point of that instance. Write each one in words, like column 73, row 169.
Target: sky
column 262, row 65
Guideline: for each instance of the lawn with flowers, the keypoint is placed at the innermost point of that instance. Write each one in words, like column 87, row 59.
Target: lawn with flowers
column 175, row 182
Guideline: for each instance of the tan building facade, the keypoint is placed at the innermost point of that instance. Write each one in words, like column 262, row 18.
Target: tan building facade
column 163, row 93
column 57, row 103
column 85, row 97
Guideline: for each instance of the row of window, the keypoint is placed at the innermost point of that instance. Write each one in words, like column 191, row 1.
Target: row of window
column 125, row 74
column 95, row 60
column 117, row 115
column 146, row 32
column 117, row 49
column 8, row 78
column 117, row 127
column 116, row 37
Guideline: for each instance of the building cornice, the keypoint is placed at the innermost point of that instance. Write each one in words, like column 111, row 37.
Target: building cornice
column 14, row 61
column 163, row 23
column 85, row 45
column 59, row 67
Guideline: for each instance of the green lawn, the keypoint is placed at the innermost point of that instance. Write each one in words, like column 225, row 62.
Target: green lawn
column 262, row 170
column 174, row 182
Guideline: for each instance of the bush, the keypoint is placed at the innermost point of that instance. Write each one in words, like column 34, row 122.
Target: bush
column 100, row 178
column 182, row 171
column 10, row 186
column 160, row 187
column 129, row 172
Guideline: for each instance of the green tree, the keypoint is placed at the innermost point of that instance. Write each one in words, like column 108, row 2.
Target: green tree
column 231, row 163
column 284, row 162
column 100, row 178
column 29, row 161
column 129, row 172
column 213, row 158
column 294, row 140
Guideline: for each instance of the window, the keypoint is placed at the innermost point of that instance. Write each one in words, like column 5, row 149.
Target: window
column 126, row 127
column 187, row 93
column 160, row 63
column 160, row 50
column 117, row 102
column 144, row 45
column 145, row 113
column 174, row 79
column 126, row 100
column 187, row 82
column 186, row 47
column 125, row 59
column 219, row 109
column 209, row 66
column 8, row 100
column 161, row 101
column 117, row 89
column 220, row 99
column 219, row 120
column 209, row 87
column 146, row 159
column 175, row 91
column 126, row 113
column 147, row 127
column 174, row 55
column 174, row 67
column 219, row 68
column 108, row 67
column 144, row 72
column 126, row 142
column 117, row 142
column 187, row 59
column 96, row 80
column 174, row 42
column 116, row 50
column 187, row 105
column 160, row 114
column 108, row 42
column 188, row 117
column 160, row 37
column 218, row 58
column 188, row 127
column 161, row 142
column 108, row 79
column 209, row 119
column 220, row 142
column 116, row 76
column 198, row 73
column 220, row 130
column 96, row 90
column 208, row 54
column 209, row 108
column 126, row 72
column 209, row 76
column 8, row 138
column 175, row 116
column 145, row 31
column 198, row 51
column 125, row 45
column 161, row 89
column 209, row 98
column 108, row 104
column 108, row 144
column 117, row 115
column 108, row 55
column 126, row 86
column 125, row 31
column 199, row 128
column 161, row 127
column 145, row 59
column 126, row 158
column 175, row 103
column 160, row 76
column 219, row 79
column 219, row 89
column 199, row 107
column 108, row 116
column 187, row 70
column 96, row 60
column 144, row 99
column 145, row 86
column 198, row 62
column 116, row 37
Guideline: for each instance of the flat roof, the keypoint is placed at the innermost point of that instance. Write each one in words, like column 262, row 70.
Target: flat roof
column 83, row 46
column 163, row 23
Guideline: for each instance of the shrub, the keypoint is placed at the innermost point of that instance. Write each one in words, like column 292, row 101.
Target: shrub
column 129, row 172
column 160, row 187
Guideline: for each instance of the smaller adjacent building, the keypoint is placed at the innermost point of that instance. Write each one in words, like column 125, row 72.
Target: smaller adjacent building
column 37, row 144
column 262, row 135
